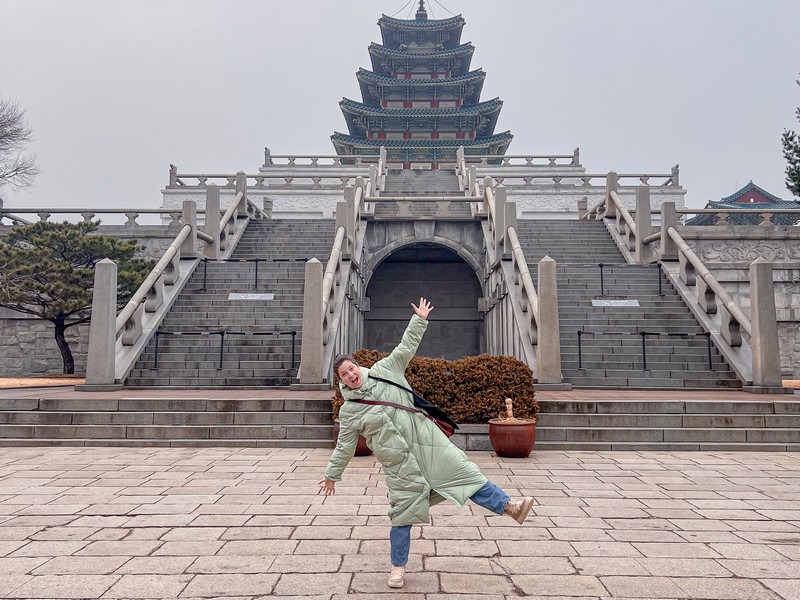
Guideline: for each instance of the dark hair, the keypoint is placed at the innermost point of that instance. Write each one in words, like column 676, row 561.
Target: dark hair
column 341, row 358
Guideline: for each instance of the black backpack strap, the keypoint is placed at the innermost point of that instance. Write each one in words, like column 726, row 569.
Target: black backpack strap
column 424, row 404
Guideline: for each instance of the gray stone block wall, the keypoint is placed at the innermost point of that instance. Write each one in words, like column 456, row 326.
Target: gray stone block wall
column 27, row 346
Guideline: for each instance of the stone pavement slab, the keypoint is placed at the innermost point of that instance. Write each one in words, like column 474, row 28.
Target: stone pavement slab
column 247, row 524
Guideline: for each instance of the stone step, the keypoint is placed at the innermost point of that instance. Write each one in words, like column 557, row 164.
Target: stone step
column 632, row 381
column 669, row 420
column 164, row 418
column 222, row 382
column 665, row 446
column 219, row 403
column 325, row 442
column 220, row 432
column 750, row 407
column 742, row 435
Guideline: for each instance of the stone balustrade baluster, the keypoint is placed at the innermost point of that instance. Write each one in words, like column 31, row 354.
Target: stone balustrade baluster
column 766, row 220
column 132, row 216
column 87, row 216
column 201, row 180
column 43, row 216
column 721, row 219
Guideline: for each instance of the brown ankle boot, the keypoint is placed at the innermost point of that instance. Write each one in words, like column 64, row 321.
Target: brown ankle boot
column 518, row 509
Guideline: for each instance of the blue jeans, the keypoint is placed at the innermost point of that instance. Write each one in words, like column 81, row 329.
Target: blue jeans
column 489, row 496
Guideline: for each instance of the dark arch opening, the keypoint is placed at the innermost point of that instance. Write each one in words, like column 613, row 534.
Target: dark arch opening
column 436, row 273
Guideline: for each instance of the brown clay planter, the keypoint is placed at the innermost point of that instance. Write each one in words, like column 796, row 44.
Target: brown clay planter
column 361, row 449
column 512, row 439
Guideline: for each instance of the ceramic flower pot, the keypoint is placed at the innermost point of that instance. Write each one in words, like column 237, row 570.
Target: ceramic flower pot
column 512, row 439
column 361, row 449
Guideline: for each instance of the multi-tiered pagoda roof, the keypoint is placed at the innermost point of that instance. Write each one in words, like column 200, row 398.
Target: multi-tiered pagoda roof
column 421, row 100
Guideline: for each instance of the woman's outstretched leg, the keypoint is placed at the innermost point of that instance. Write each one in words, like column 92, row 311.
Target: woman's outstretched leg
column 496, row 500
column 400, row 540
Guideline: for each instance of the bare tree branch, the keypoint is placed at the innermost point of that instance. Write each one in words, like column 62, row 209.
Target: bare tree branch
column 17, row 169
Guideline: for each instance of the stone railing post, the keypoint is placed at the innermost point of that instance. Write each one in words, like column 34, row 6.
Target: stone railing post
column 211, row 249
column 103, row 329
column 669, row 249
column 612, row 185
column 576, row 157
column 349, row 220
column 549, row 346
column 241, row 186
column 311, row 346
column 267, row 157
column 644, row 225
column 173, row 176
column 189, row 217
column 583, row 207
column 675, row 180
column 499, row 221
column 510, row 221
column 764, row 331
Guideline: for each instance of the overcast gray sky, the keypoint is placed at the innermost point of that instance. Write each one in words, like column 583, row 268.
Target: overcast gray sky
column 117, row 90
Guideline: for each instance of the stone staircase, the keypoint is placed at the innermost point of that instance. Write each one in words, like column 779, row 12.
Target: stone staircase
column 668, row 425
column 609, row 352
column 257, row 347
column 287, row 421
column 421, row 183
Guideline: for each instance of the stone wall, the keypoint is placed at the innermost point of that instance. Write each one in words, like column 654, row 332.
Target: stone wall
column 28, row 346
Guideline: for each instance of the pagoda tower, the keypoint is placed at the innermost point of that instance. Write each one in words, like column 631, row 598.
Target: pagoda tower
column 421, row 100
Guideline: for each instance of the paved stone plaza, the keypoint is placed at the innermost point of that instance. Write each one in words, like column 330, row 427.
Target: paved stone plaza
column 248, row 523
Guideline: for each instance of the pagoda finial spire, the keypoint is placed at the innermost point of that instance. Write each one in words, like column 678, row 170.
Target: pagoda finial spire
column 422, row 14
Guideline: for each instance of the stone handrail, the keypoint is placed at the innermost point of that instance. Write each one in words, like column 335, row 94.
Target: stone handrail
column 334, row 180
column 126, row 319
column 512, row 295
column 315, row 160
column 529, row 159
column 711, row 294
column 530, row 299
column 15, row 219
column 44, row 214
column 346, row 275
column 332, row 276
column 232, row 208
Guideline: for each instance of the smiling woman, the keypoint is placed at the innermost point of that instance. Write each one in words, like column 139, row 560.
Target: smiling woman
column 422, row 467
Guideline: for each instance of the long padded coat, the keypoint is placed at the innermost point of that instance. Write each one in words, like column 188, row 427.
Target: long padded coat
column 421, row 466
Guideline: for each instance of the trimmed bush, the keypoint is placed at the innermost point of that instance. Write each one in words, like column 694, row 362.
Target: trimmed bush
column 471, row 389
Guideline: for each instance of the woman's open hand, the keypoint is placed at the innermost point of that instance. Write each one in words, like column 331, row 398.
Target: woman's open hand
column 327, row 487
column 423, row 309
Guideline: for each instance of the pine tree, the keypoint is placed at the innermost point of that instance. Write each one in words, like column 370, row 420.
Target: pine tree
column 791, row 152
column 47, row 270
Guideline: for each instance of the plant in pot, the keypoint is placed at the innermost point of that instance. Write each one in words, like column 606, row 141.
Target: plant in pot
column 511, row 437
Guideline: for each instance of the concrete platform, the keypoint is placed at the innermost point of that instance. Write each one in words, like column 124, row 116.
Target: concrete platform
column 248, row 523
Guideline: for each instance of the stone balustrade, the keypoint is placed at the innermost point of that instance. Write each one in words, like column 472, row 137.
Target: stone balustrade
column 313, row 180
column 132, row 215
column 524, row 160
column 318, row 160
column 721, row 218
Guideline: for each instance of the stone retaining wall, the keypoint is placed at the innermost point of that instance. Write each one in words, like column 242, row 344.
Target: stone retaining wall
column 28, row 346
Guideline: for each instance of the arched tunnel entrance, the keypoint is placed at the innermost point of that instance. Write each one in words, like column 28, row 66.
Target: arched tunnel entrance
column 441, row 276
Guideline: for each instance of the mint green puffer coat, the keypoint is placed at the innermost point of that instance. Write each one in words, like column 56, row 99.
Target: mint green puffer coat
column 421, row 466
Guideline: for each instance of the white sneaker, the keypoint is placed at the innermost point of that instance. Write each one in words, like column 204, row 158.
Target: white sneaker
column 519, row 509
column 396, row 577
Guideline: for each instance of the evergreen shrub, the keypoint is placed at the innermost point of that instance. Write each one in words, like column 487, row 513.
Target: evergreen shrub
column 471, row 389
